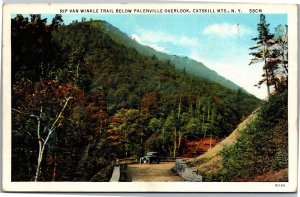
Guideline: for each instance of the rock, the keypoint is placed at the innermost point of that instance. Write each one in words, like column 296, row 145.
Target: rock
column 186, row 172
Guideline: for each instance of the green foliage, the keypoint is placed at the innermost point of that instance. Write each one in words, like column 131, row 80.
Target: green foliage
column 280, row 159
column 119, row 72
column 262, row 146
column 125, row 104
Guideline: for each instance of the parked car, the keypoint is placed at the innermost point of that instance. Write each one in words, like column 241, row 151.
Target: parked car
column 150, row 157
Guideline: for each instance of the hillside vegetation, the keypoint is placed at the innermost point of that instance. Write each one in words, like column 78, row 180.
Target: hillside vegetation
column 256, row 151
column 81, row 100
column 211, row 161
column 182, row 63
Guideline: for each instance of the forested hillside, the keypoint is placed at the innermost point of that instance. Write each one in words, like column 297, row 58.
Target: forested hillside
column 182, row 63
column 256, row 151
column 80, row 100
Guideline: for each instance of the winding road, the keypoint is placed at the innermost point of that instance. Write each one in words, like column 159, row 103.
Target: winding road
column 153, row 172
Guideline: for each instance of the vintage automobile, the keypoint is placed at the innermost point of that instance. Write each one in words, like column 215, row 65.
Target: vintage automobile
column 150, row 157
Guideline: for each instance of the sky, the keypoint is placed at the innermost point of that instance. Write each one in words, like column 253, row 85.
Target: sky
column 220, row 41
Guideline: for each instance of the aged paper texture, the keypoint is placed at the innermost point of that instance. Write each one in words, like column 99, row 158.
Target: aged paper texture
column 150, row 97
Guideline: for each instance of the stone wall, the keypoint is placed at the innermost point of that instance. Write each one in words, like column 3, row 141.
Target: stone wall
column 115, row 175
column 186, row 172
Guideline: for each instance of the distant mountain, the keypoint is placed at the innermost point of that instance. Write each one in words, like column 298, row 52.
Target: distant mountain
column 182, row 63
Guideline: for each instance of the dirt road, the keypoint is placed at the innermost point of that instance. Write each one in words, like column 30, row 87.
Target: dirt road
column 153, row 172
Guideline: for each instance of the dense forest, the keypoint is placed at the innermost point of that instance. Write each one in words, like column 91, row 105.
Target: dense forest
column 80, row 100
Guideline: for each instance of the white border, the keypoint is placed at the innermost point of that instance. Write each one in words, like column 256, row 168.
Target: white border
column 291, row 186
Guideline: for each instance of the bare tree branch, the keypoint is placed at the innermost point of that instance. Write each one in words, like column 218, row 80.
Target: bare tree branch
column 60, row 113
column 28, row 114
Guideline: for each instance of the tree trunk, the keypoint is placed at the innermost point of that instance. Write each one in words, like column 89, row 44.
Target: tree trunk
column 274, row 80
column 40, row 158
column 163, row 145
column 126, row 145
column 54, row 169
column 266, row 70
column 42, row 142
column 203, row 115
column 210, row 141
column 208, row 108
column 175, row 143
column 179, row 140
column 41, row 149
column 268, row 84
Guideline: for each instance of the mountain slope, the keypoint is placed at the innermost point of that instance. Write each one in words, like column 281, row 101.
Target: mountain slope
column 211, row 161
column 256, row 151
column 182, row 63
column 132, row 80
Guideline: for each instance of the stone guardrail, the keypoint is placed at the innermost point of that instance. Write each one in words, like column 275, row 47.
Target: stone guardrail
column 137, row 160
column 127, row 161
column 186, row 172
column 115, row 177
column 117, row 170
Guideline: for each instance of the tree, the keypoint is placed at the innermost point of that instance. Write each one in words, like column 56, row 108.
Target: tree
column 281, row 39
column 184, row 120
column 155, row 125
column 263, row 51
column 34, row 55
column 47, row 105
column 149, row 101
column 272, row 50
column 170, row 127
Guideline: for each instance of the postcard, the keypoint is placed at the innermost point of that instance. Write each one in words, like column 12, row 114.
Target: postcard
column 150, row 97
